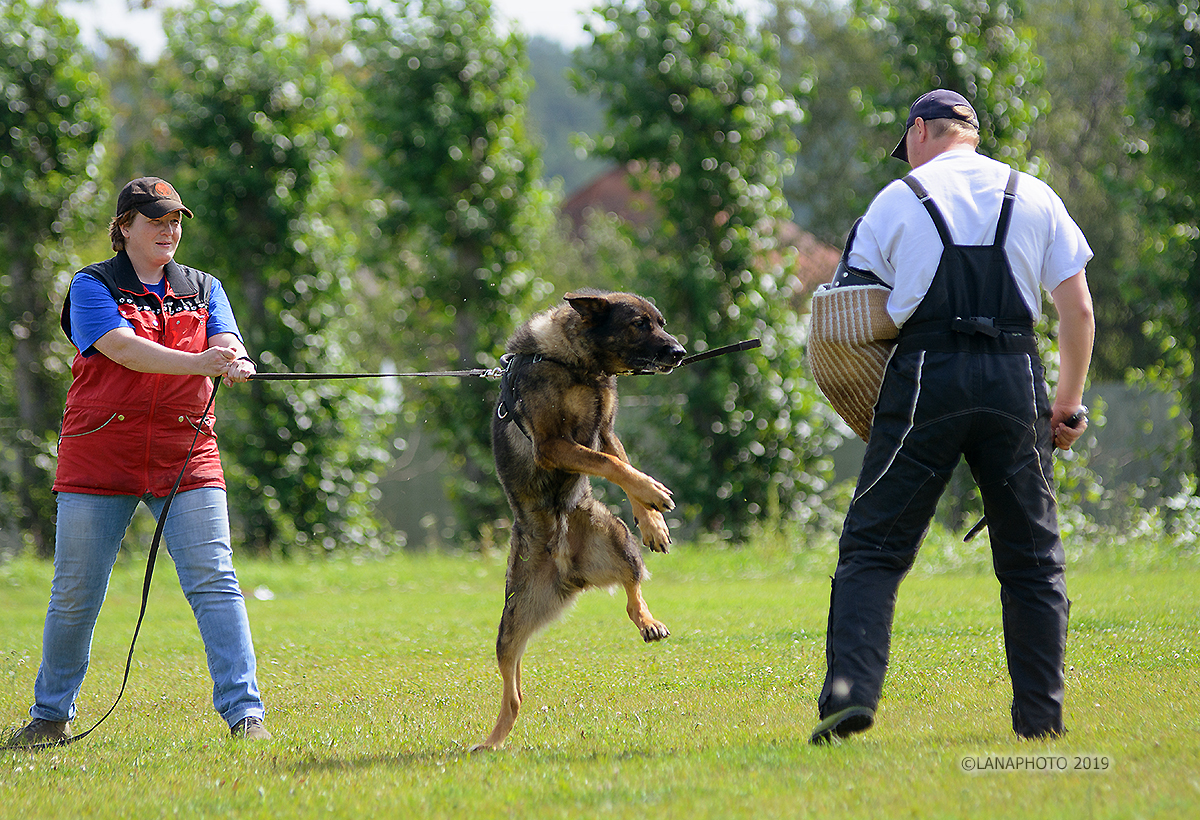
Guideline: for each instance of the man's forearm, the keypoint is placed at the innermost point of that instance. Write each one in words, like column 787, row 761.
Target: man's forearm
column 1076, row 336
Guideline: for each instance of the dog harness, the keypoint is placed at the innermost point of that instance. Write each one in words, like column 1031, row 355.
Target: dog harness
column 514, row 367
column 506, row 407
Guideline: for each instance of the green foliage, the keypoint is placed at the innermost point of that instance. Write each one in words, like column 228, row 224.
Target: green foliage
column 52, row 123
column 1085, row 48
column 1168, row 289
column 348, row 245
column 827, row 61
column 980, row 48
column 1079, row 145
column 256, row 119
column 696, row 108
column 137, row 110
column 557, row 115
column 460, row 210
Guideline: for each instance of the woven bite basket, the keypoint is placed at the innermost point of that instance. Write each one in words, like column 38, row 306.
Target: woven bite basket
column 850, row 341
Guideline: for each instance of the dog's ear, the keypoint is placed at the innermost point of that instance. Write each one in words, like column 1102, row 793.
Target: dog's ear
column 593, row 307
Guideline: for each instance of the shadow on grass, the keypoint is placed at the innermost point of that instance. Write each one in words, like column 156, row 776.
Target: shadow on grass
column 313, row 764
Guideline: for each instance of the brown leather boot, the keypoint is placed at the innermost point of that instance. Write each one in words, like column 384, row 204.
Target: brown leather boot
column 39, row 731
column 250, row 728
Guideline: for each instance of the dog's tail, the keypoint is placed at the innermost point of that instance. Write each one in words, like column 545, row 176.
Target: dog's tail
column 560, row 545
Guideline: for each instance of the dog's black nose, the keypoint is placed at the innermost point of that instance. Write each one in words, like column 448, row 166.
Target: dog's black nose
column 673, row 355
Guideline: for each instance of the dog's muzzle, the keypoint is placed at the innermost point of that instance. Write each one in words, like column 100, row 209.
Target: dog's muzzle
column 664, row 362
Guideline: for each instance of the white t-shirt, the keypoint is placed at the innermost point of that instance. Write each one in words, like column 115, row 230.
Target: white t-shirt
column 898, row 242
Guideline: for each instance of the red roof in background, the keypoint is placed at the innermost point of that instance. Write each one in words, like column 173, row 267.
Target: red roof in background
column 610, row 192
column 815, row 261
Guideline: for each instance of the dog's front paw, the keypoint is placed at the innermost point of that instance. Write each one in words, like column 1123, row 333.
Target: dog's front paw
column 654, row 495
column 655, row 534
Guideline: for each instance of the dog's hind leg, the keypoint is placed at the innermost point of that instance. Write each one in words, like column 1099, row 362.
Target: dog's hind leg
column 534, row 597
column 607, row 554
column 510, row 701
column 651, row 628
column 558, row 542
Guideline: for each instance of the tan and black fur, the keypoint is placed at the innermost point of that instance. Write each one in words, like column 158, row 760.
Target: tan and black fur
column 553, row 429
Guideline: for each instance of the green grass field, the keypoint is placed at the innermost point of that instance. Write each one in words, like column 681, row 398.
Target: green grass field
column 379, row 675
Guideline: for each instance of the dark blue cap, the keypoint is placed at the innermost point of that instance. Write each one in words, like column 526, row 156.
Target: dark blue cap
column 939, row 104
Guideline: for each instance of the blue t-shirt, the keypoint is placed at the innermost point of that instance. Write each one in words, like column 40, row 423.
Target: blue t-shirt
column 94, row 311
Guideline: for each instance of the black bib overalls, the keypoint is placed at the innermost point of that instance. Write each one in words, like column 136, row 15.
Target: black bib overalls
column 965, row 381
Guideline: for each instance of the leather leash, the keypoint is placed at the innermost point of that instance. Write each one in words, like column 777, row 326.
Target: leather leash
column 485, row 372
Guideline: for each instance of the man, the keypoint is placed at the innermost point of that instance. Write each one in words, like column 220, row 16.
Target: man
column 966, row 244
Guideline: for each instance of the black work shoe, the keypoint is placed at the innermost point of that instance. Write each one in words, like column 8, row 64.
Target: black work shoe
column 848, row 721
column 250, row 728
column 39, row 731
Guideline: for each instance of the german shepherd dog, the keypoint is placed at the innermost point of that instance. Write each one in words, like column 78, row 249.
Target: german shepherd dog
column 553, row 428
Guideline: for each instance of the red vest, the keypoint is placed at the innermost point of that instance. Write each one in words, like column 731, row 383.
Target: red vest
column 128, row 433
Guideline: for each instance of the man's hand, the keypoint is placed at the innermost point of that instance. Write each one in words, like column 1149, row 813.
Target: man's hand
column 1067, row 424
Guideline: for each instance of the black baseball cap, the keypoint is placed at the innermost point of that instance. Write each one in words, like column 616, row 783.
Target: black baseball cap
column 152, row 196
column 939, row 104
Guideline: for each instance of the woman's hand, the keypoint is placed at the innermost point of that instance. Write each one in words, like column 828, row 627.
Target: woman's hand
column 240, row 370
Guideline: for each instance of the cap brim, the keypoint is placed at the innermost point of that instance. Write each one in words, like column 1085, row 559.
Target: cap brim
column 153, row 210
column 901, row 150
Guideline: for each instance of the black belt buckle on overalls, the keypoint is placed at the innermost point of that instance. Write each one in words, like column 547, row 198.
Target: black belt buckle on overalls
column 975, row 324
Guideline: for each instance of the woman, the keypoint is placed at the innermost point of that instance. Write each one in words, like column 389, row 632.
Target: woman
column 150, row 335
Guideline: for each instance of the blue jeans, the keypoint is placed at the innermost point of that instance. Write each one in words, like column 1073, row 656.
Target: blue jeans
column 88, row 535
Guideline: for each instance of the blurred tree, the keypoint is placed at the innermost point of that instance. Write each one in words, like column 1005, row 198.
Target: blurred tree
column 695, row 107
column 136, row 138
column 1167, row 290
column 1082, row 140
column 1078, row 143
column 459, row 215
column 52, row 121
column 827, row 61
column 983, row 49
column 557, row 114
column 256, row 118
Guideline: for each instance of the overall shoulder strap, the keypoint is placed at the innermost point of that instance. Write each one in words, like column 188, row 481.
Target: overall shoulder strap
column 1010, row 196
column 923, row 195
